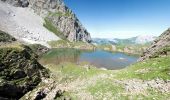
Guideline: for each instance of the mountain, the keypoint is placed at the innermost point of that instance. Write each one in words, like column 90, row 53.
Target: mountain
column 142, row 39
column 40, row 21
column 99, row 41
column 160, row 47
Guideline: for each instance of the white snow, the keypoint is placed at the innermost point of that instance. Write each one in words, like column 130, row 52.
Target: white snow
column 24, row 24
column 144, row 39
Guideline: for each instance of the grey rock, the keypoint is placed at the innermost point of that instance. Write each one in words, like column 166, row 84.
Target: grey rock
column 65, row 22
column 160, row 47
column 19, row 3
column 40, row 95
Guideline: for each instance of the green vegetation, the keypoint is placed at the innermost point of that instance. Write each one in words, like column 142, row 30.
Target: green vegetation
column 6, row 37
column 68, row 44
column 19, row 71
column 67, row 14
column 49, row 25
column 60, row 44
column 148, row 70
column 165, row 51
column 105, row 47
column 85, row 81
column 105, row 89
column 37, row 49
column 135, row 49
column 70, row 71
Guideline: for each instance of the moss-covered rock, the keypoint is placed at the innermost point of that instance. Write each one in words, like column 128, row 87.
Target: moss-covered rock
column 5, row 37
column 20, row 72
column 38, row 49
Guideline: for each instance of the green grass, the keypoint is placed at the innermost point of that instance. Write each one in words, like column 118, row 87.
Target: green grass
column 153, row 68
column 60, row 14
column 4, row 37
column 105, row 89
column 60, row 44
column 48, row 24
column 134, row 49
column 105, row 47
column 70, row 71
column 68, row 44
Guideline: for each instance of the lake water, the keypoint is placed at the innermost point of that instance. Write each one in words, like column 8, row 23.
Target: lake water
column 98, row 58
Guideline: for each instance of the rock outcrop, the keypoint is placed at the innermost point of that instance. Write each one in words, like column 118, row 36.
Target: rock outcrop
column 159, row 48
column 6, row 38
column 63, row 22
column 19, row 70
column 63, row 19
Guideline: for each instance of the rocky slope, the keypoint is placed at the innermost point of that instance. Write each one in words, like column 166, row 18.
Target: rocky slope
column 160, row 47
column 19, row 70
column 40, row 21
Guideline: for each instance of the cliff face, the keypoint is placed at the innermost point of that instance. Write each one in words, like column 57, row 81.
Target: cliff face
column 63, row 19
column 159, row 48
column 58, row 18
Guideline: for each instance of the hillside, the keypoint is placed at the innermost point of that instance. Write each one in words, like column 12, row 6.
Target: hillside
column 141, row 39
column 19, row 70
column 134, row 45
column 40, row 21
column 160, row 47
column 145, row 80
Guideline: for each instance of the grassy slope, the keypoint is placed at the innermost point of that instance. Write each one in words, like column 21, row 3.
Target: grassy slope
column 154, row 68
column 51, row 27
column 68, row 44
column 132, row 48
column 48, row 24
column 92, row 83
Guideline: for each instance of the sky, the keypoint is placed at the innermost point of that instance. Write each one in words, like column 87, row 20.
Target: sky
column 122, row 18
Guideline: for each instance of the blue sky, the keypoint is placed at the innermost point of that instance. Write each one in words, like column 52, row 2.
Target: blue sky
column 122, row 18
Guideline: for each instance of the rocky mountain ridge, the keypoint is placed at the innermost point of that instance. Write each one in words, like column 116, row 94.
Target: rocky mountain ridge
column 141, row 39
column 27, row 20
column 160, row 47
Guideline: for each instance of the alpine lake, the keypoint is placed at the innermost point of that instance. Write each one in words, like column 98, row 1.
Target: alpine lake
column 97, row 58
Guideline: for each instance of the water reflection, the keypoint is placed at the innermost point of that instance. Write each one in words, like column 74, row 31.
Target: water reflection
column 57, row 56
column 97, row 58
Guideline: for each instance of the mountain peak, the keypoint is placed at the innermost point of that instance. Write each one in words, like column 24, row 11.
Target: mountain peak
column 40, row 21
column 144, row 38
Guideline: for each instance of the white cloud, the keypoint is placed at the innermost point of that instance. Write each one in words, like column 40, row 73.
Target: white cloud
column 124, row 34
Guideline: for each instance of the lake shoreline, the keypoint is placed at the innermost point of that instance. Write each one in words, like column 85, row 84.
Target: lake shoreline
column 99, row 58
